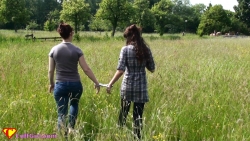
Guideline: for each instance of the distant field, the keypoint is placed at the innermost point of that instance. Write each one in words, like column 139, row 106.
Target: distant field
column 199, row 91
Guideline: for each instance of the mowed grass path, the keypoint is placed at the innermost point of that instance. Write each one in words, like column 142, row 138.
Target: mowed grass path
column 199, row 91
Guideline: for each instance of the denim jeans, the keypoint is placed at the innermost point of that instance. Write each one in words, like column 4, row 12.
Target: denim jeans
column 67, row 93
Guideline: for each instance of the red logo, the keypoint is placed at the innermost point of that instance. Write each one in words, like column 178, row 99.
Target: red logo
column 9, row 132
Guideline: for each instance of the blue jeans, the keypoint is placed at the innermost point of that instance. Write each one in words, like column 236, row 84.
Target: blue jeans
column 67, row 93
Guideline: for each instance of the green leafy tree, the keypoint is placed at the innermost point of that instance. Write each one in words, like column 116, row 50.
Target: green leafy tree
column 40, row 9
column 1, row 23
column 50, row 25
column 143, row 16
column 209, row 6
column 236, row 25
column 195, row 17
column 100, row 25
column 188, row 16
column 199, row 9
column 31, row 26
column 51, row 8
column 152, row 2
column 14, row 11
column 242, row 12
column 60, row 1
column 94, row 5
column 164, row 16
column 183, row 12
column 53, row 20
column 76, row 12
column 214, row 19
column 117, row 12
column 32, row 8
column 40, row 13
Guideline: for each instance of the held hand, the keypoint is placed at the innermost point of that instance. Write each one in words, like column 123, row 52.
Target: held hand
column 97, row 87
column 109, row 89
column 51, row 88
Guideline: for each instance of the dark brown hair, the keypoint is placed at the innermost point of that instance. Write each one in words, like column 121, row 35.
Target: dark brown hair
column 64, row 30
column 133, row 36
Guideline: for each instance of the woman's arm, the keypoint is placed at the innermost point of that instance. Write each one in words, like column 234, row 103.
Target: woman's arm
column 51, row 74
column 120, row 68
column 150, row 65
column 89, row 72
column 117, row 75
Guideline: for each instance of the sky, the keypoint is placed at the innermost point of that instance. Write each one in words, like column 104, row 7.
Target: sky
column 227, row 4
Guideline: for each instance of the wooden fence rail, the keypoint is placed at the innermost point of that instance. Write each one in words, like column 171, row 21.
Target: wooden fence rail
column 49, row 38
column 31, row 36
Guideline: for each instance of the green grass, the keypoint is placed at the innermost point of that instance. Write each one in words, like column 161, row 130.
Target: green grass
column 199, row 91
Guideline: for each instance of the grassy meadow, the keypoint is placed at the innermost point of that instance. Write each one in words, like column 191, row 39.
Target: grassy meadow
column 199, row 91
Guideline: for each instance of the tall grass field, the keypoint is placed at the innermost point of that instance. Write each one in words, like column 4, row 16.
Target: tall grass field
column 198, row 92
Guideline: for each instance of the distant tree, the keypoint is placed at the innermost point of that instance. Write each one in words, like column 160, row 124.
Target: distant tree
column 236, row 25
column 143, row 16
column 213, row 19
column 54, row 15
column 117, row 12
column 49, row 25
column 242, row 12
column 97, row 24
column 209, row 6
column 53, row 20
column 60, row 4
column 43, row 8
column 31, row 26
column 94, row 5
column 186, row 2
column 60, row 1
column 199, row 9
column 183, row 13
column 75, row 11
column 14, row 11
column 50, row 6
column 153, row 2
column 32, row 8
column 195, row 18
column 164, row 16
column 1, row 23
column 40, row 13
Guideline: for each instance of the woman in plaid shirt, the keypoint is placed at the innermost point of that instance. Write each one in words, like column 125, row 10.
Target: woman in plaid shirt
column 134, row 58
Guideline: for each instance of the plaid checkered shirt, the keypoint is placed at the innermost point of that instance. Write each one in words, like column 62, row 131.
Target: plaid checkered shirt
column 134, row 83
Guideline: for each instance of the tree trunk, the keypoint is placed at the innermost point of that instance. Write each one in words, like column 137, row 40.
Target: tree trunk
column 113, row 29
column 15, row 28
column 113, row 32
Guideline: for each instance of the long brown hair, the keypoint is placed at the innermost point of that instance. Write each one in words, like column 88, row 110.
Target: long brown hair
column 133, row 36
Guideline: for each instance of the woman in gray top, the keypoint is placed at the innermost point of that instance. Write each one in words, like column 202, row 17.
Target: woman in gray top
column 134, row 58
column 64, row 58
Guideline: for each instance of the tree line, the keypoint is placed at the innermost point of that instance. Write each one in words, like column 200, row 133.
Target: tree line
column 161, row 16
